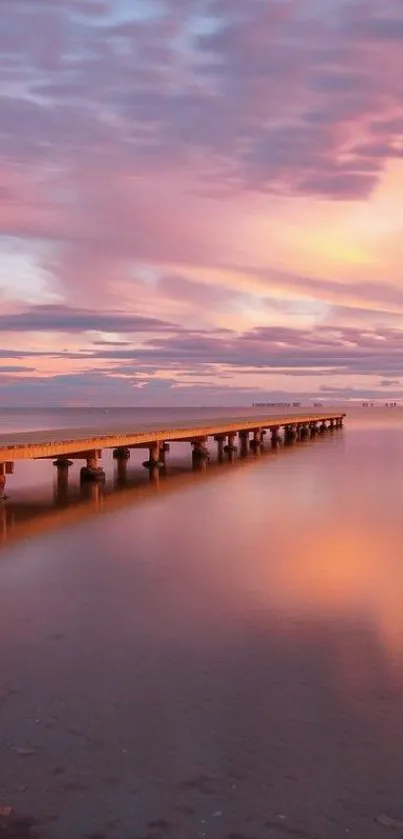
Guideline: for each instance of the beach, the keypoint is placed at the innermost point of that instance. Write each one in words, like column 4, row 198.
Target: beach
column 218, row 656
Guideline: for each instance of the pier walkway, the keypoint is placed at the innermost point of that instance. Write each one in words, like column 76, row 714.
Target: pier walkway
column 67, row 445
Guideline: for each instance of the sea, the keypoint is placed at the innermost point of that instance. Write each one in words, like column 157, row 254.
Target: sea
column 218, row 653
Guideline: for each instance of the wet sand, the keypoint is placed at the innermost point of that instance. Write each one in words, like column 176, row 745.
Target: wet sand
column 222, row 661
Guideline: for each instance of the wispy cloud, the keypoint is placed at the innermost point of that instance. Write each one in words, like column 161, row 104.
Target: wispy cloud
column 184, row 176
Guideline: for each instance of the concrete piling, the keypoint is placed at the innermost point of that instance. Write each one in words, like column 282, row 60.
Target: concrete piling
column 153, row 461
column 121, row 453
column 92, row 471
column 275, row 437
column 220, row 440
column 6, row 468
column 200, row 453
column 230, row 448
column 243, row 443
column 256, row 443
column 164, row 450
column 62, row 462
column 289, row 434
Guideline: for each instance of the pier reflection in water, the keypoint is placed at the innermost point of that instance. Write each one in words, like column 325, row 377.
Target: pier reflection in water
column 32, row 506
column 226, row 657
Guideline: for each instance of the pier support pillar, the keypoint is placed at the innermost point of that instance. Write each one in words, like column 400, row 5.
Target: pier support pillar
column 154, row 454
column 289, row 434
column 122, row 457
column 243, row 443
column 62, row 462
column 313, row 427
column 230, row 448
column 61, row 485
column 256, row 443
column 200, row 453
column 121, row 453
column 220, row 440
column 322, row 427
column 302, row 432
column 92, row 471
column 5, row 469
column 275, row 437
column 164, row 449
column 153, row 461
column 3, row 496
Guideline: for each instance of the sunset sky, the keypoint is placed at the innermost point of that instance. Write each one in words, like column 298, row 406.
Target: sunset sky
column 201, row 201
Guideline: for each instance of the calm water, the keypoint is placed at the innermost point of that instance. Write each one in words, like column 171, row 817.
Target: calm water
column 219, row 655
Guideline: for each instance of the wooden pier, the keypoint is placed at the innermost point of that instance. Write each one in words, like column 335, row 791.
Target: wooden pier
column 230, row 434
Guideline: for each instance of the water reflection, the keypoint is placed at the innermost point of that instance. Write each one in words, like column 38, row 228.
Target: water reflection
column 345, row 532
column 232, row 646
column 121, row 474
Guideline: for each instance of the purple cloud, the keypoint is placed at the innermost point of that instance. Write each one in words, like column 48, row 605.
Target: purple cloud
column 128, row 142
column 245, row 90
column 61, row 318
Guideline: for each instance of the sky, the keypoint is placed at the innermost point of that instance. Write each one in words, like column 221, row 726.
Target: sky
column 201, row 201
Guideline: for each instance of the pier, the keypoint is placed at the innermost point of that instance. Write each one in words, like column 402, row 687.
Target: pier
column 231, row 435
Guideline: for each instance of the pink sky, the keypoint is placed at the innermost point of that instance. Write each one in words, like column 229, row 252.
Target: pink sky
column 200, row 201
